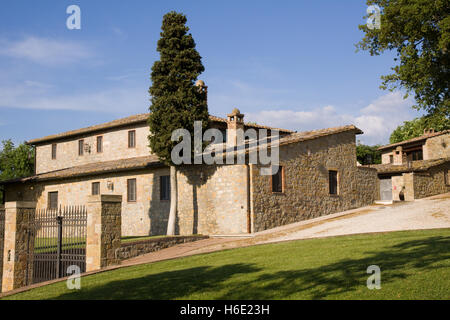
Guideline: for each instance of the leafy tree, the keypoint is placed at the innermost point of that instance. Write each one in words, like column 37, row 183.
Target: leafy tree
column 15, row 162
column 368, row 154
column 175, row 100
column 419, row 32
column 416, row 127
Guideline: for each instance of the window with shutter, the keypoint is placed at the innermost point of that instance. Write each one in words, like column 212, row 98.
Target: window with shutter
column 131, row 139
column 53, row 200
column 131, row 190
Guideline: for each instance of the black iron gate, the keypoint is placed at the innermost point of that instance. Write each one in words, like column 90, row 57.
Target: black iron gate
column 58, row 240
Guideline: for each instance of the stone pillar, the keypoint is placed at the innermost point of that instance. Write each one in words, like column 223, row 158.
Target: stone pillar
column 104, row 224
column 19, row 219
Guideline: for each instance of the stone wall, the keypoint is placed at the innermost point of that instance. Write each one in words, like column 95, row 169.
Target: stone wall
column 2, row 239
column 431, row 182
column 115, row 146
column 437, row 147
column 147, row 216
column 306, row 193
column 137, row 248
column 212, row 199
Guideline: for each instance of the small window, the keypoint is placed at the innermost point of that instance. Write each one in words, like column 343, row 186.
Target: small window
column 277, row 180
column 53, row 151
column 333, row 181
column 391, row 159
column 131, row 190
column 99, row 144
column 164, row 187
column 95, row 188
column 53, row 200
column 132, row 139
column 80, row 147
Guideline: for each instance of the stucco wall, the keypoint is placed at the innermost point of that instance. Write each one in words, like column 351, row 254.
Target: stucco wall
column 306, row 193
column 147, row 216
column 212, row 199
column 115, row 146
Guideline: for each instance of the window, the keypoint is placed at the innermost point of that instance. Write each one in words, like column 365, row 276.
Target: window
column 277, row 180
column 53, row 200
column 333, row 181
column 391, row 159
column 416, row 155
column 132, row 139
column 80, row 147
column 99, row 144
column 53, row 151
column 164, row 187
column 131, row 190
column 95, row 188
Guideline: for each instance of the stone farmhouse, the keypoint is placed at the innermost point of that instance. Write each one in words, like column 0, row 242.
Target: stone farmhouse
column 318, row 176
column 415, row 168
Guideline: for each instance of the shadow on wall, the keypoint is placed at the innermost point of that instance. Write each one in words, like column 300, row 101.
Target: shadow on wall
column 159, row 210
column 254, row 281
column 197, row 176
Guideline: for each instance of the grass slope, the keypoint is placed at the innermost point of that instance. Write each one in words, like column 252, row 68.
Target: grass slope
column 414, row 265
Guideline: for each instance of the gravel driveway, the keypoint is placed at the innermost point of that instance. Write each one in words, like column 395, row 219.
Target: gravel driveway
column 429, row 213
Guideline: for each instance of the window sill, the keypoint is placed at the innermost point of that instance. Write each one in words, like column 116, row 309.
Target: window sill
column 280, row 193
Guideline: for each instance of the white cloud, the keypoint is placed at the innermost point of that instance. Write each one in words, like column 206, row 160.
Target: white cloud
column 45, row 51
column 377, row 120
column 113, row 100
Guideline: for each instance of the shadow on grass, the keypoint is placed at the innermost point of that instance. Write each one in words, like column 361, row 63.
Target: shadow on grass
column 396, row 262
column 166, row 285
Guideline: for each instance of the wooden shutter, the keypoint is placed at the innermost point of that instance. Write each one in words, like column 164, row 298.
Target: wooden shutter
column 54, row 151
column 131, row 190
column 131, row 139
column 95, row 188
column 99, row 144
column 53, row 200
column 80, row 147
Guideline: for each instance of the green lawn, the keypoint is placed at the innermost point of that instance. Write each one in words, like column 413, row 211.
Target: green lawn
column 414, row 265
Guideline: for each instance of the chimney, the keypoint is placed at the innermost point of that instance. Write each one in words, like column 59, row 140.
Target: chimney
column 235, row 121
column 202, row 87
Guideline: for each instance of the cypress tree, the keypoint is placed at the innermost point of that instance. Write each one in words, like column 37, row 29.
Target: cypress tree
column 175, row 100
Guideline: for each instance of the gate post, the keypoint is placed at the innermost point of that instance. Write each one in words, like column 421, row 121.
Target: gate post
column 104, row 230
column 19, row 219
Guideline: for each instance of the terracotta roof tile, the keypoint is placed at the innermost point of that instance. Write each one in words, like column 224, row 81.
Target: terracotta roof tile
column 138, row 118
column 414, row 166
column 417, row 139
column 94, row 169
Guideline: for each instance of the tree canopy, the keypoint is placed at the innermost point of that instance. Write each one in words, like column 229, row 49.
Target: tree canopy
column 368, row 154
column 419, row 32
column 416, row 127
column 15, row 162
column 175, row 100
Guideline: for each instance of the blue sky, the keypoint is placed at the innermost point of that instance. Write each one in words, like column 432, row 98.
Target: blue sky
column 290, row 64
